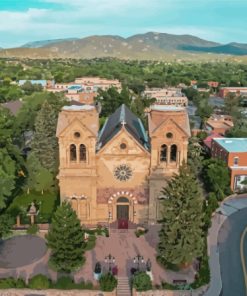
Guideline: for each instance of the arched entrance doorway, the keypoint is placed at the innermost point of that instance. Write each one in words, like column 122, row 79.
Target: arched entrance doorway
column 122, row 205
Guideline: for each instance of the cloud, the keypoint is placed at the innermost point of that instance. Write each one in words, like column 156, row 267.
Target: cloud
column 11, row 20
column 79, row 18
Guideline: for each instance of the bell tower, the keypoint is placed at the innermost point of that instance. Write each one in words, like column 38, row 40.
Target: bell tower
column 169, row 131
column 77, row 131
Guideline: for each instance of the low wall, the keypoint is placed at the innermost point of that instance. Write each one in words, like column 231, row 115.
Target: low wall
column 53, row 292
column 197, row 292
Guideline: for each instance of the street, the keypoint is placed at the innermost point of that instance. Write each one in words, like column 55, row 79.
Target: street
column 230, row 259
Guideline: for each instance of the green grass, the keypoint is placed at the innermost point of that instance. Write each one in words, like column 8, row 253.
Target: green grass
column 46, row 208
column 90, row 243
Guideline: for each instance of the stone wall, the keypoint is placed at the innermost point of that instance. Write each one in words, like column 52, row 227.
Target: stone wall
column 197, row 292
column 27, row 292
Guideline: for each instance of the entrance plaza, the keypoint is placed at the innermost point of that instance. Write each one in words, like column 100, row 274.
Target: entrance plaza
column 27, row 256
column 124, row 246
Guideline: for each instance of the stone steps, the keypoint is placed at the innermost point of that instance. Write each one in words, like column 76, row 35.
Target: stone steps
column 123, row 287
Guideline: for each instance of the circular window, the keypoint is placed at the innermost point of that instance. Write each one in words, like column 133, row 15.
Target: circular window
column 123, row 172
column 169, row 135
column 77, row 135
column 123, row 146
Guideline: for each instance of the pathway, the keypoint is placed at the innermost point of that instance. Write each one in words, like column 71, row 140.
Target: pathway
column 124, row 246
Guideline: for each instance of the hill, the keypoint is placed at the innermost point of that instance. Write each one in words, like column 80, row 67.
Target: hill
column 37, row 44
column 149, row 46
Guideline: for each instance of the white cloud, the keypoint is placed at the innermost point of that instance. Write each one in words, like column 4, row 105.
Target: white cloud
column 11, row 20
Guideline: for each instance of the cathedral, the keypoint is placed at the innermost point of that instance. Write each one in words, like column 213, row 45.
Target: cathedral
column 116, row 173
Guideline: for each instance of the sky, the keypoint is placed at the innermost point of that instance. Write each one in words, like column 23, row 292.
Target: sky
column 23, row 21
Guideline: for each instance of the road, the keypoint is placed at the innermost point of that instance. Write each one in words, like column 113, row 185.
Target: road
column 230, row 259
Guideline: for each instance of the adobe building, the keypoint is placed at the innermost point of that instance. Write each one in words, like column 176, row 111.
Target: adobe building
column 238, row 91
column 234, row 152
column 219, row 124
column 117, row 173
column 167, row 96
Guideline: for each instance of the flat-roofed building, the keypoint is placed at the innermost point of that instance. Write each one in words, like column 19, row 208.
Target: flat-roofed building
column 167, row 96
column 238, row 91
column 44, row 83
column 234, row 152
column 219, row 124
column 97, row 82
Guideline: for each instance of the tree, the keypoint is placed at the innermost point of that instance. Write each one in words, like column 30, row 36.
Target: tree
column 39, row 178
column 29, row 88
column 6, row 127
column 181, row 235
column 239, row 130
column 6, row 224
column 65, row 238
column 232, row 104
column 195, row 155
column 44, row 144
column 7, row 176
column 112, row 99
column 216, row 177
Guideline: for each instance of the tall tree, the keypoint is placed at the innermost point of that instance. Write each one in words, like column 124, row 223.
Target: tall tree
column 65, row 238
column 6, row 224
column 39, row 178
column 181, row 235
column 232, row 104
column 216, row 177
column 7, row 176
column 44, row 144
column 239, row 130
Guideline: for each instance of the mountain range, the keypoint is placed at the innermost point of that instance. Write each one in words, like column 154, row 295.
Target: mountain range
column 152, row 45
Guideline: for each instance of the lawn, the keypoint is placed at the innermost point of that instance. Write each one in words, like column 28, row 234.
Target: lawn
column 46, row 204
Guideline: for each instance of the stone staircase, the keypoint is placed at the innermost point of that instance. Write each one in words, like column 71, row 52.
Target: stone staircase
column 123, row 287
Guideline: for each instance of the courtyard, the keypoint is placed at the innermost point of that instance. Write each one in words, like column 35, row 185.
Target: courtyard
column 124, row 246
column 26, row 256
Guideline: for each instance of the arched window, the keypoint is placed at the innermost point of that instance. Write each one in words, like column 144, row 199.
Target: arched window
column 72, row 152
column 123, row 199
column 163, row 153
column 173, row 155
column 83, row 152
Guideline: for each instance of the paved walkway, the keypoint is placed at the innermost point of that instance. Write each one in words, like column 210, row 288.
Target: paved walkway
column 19, row 251
column 228, row 207
column 124, row 246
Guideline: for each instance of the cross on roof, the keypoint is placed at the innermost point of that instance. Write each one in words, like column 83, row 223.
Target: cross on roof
column 123, row 122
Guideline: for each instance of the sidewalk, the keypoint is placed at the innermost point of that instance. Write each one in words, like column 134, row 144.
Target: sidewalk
column 228, row 207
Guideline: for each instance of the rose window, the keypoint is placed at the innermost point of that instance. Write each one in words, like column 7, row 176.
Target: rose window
column 123, row 172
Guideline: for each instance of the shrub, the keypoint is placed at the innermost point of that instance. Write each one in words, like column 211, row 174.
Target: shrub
column 142, row 281
column 107, row 282
column 166, row 264
column 8, row 283
column 33, row 229
column 20, row 284
column 203, row 276
column 6, row 224
column 39, row 282
column 66, row 283
column 140, row 232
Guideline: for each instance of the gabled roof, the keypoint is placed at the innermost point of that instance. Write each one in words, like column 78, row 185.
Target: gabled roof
column 123, row 117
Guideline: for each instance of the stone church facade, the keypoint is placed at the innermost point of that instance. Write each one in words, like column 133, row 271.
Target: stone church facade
column 118, row 172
